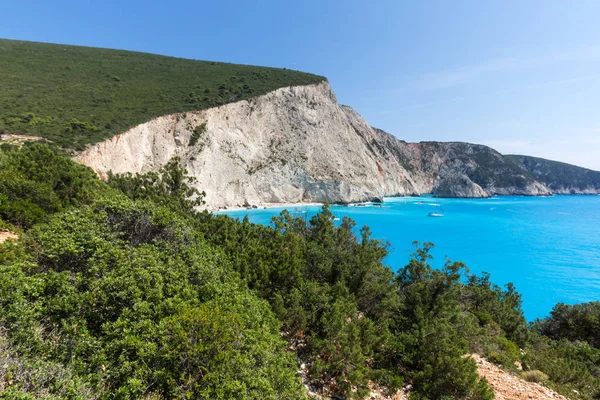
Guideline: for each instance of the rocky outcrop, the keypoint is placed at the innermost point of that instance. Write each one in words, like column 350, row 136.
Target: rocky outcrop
column 561, row 178
column 292, row 145
column 459, row 185
column 431, row 162
column 297, row 144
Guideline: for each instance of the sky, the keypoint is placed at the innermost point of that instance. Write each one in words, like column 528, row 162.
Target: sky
column 520, row 76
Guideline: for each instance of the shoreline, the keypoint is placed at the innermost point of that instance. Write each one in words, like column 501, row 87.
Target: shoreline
column 263, row 206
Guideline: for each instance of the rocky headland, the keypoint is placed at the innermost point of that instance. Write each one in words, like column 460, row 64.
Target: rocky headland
column 297, row 144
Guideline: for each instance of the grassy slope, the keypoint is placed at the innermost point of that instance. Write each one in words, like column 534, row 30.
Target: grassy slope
column 557, row 175
column 43, row 87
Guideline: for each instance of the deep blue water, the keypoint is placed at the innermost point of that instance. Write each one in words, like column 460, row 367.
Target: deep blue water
column 549, row 247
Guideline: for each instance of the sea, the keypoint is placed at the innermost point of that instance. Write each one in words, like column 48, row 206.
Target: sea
column 549, row 247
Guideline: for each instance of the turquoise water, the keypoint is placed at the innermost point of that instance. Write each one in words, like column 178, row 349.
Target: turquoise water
column 549, row 247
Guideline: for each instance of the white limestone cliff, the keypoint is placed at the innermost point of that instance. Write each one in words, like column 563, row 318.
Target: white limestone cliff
column 295, row 144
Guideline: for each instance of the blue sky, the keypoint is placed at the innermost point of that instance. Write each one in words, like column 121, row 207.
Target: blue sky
column 521, row 76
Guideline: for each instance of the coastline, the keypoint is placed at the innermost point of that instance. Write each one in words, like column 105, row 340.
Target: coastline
column 263, row 206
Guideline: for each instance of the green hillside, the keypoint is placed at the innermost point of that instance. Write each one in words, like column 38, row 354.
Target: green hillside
column 75, row 96
column 558, row 176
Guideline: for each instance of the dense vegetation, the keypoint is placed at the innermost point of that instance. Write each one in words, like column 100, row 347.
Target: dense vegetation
column 559, row 176
column 122, row 291
column 75, row 96
column 579, row 322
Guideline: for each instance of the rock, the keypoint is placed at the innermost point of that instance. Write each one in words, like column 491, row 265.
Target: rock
column 560, row 177
column 459, row 185
column 297, row 144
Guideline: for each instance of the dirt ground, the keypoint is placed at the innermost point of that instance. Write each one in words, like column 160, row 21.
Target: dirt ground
column 510, row 387
column 4, row 235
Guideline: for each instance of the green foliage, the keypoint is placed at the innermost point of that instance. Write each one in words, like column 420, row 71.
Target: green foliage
column 75, row 96
column 79, row 127
column 534, row 376
column 170, row 187
column 23, row 378
column 500, row 350
column 573, row 322
column 430, row 340
column 207, row 350
column 37, row 181
column 568, row 365
column 492, row 305
column 125, row 291
column 126, row 313
column 327, row 287
column 198, row 132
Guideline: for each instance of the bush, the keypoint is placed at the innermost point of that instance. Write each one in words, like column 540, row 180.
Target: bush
column 23, row 378
column 573, row 322
column 570, row 365
column 170, row 187
column 37, row 181
column 116, row 305
column 77, row 126
column 198, row 132
column 502, row 351
column 534, row 376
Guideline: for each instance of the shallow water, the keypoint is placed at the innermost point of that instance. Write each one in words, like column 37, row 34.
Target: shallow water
column 549, row 247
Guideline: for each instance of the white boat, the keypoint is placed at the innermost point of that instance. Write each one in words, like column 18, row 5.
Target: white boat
column 435, row 214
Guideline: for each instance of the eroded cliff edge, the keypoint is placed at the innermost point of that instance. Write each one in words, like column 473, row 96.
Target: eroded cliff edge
column 297, row 144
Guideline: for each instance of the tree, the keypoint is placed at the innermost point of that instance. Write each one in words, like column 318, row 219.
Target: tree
column 170, row 187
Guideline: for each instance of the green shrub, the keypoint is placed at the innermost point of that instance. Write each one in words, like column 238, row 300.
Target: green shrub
column 81, row 127
column 570, row 365
column 534, row 376
column 573, row 322
column 170, row 187
column 37, row 181
column 198, row 132
column 117, row 304
column 25, row 378
column 502, row 351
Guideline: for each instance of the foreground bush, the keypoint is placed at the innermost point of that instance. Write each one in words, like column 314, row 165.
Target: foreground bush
column 125, row 306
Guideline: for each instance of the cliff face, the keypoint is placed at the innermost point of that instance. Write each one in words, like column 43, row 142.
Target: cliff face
column 559, row 177
column 459, row 185
column 297, row 144
column 292, row 145
column 433, row 163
